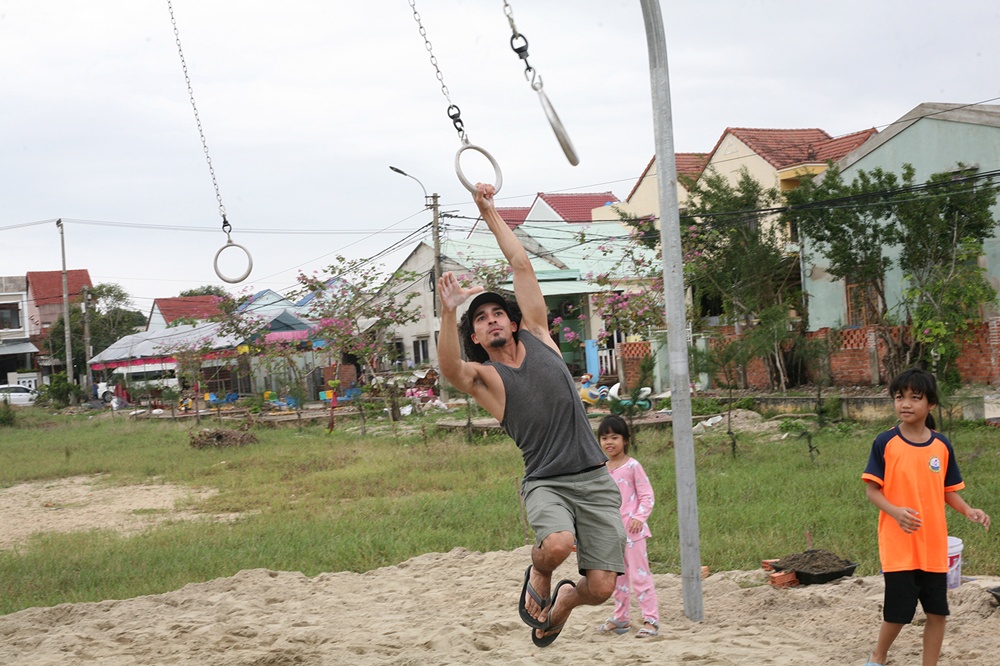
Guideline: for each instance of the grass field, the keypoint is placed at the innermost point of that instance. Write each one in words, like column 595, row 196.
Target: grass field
column 312, row 503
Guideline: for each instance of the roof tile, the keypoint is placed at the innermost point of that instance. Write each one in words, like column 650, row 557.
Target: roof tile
column 46, row 286
column 576, row 207
column 188, row 307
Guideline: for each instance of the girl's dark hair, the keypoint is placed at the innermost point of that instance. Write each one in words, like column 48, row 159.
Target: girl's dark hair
column 475, row 352
column 917, row 381
column 617, row 425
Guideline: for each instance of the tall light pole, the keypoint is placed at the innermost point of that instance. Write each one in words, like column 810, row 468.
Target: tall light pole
column 432, row 203
column 65, row 300
column 673, row 288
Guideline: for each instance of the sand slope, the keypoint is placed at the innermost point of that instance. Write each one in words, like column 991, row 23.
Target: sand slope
column 460, row 608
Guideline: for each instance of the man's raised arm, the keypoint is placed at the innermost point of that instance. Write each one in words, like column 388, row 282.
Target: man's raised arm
column 534, row 314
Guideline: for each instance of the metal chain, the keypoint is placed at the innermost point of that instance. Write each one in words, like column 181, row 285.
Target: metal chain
column 519, row 44
column 201, row 132
column 453, row 111
column 509, row 11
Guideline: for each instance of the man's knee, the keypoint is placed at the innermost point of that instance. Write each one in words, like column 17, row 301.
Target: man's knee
column 601, row 584
column 558, row 545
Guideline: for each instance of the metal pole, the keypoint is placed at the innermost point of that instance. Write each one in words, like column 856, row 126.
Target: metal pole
column 436, row 230
column 87, row 350
column 65, row 299
column 673, row 290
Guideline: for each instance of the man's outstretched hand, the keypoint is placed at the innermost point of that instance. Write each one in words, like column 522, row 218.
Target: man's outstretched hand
column 452, row 293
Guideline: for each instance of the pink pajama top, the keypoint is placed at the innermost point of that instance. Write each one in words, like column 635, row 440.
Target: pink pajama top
column 637, row 495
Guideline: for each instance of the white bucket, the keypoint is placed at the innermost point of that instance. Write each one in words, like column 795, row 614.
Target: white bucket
column 954, row 562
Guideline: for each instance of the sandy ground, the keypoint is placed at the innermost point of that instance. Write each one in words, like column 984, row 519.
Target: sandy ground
column 441, row 608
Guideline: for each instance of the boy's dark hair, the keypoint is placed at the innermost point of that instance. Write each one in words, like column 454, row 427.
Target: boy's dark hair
column 917, row 381
column 475, row 352
column 617, row 425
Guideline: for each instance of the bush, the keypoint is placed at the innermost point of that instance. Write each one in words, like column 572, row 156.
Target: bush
column 7, row 414
column 59, row 392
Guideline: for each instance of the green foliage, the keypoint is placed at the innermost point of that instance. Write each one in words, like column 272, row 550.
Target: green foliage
column 8, row 417
column 207, row 290
column 704, row 406
column 59, row 392
column 939, row 230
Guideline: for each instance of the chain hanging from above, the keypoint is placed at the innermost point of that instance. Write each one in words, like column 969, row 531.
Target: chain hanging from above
column 519, row 43
column 226, row 227
column 455, row 114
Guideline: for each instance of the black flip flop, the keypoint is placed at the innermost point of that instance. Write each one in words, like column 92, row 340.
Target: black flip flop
column 538, row 599
column 548, row 639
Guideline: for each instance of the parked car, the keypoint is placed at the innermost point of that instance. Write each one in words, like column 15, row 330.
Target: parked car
column 17, row 395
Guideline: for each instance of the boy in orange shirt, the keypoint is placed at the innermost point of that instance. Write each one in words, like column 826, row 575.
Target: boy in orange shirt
column 911, row 475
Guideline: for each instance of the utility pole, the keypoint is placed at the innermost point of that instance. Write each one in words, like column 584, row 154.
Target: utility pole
column 432, row 202
column 65, row 299
column 673, row 291
column 436, row 233
column 87, row 350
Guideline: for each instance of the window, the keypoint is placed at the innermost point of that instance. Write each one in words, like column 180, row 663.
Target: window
column 420, row 353
column 399, row 355
column 10, row 315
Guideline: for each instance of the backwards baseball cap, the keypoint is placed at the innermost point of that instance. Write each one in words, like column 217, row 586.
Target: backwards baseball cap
column 488, row 297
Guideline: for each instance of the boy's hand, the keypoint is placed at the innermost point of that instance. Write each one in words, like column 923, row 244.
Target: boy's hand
column 908, row 519
column 979, row 516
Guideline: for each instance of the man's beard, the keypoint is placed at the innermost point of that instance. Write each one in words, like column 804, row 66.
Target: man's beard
column 498, row 342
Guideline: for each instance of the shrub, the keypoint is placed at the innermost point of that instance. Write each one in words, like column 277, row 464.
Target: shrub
column 59, row 392
column 7, row 414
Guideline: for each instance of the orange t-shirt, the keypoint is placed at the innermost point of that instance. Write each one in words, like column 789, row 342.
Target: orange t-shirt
column 914, row 475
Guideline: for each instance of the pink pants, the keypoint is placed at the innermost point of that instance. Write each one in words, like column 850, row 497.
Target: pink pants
column 637, row 575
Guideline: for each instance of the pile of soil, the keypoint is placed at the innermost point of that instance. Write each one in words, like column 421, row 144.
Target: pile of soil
column 813, row 562
column 221, row 437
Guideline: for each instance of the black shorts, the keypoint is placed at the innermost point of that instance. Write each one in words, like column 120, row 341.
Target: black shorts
column 904, row 588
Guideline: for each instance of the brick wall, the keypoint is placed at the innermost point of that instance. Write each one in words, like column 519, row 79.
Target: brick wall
column 855, row 358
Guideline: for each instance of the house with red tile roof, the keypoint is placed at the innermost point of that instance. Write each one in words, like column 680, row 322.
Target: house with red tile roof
column 166, row 311
column 571, row 207
column 780, row 158
column 644, row 199
column 45, row 297
column 777, row 158
column 514, row 215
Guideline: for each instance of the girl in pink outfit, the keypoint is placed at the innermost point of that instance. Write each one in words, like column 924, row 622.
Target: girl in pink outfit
column 637, row 504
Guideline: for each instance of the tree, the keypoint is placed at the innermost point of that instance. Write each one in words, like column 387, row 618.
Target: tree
column 939, row 228
column 111, row 319
column 207, row 290
column 357, row 307
column 632, row 301
column 735, row 253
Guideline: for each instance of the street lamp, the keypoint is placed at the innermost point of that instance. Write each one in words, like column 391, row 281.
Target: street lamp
column 432, row 203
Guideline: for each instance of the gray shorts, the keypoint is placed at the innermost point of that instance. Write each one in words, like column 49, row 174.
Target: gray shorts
column 589, row 506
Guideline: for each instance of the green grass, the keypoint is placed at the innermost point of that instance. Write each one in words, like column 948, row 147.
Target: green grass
column 313, row 503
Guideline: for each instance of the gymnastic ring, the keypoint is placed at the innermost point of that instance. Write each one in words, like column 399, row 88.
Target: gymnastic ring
column 230, row 243
column 561, row 134
column 461, row 176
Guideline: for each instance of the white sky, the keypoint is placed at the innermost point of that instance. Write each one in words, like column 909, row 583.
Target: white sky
column 306, row 104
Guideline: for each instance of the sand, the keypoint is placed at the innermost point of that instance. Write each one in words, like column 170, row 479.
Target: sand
column 460, row 607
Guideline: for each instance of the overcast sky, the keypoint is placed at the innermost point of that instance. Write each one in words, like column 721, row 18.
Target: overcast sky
column 306, row 104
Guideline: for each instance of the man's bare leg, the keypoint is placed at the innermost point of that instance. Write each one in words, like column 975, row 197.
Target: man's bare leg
column 554, row 550
column 593, row 589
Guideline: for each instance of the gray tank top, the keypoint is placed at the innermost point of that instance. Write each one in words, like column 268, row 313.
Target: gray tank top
column 544, row 414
